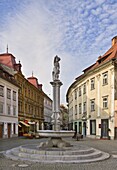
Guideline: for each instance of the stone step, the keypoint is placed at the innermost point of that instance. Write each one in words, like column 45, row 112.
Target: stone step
column 58, row 157
column 96, row 155
column 57, row 152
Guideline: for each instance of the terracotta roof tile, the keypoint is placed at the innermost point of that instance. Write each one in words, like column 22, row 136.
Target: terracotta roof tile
column 109, row 55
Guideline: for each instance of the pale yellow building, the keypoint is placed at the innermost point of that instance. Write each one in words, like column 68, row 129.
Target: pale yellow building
column 92, row 98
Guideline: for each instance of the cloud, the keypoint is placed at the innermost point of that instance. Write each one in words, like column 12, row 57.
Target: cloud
column 77, row 31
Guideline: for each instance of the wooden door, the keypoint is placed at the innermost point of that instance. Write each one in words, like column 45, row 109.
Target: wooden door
column 1, row 130
column 9, row 130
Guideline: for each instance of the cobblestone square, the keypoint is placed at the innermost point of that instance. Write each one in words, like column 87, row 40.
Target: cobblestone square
column 109, row 146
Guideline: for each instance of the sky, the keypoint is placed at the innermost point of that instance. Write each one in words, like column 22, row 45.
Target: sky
column 78, row 31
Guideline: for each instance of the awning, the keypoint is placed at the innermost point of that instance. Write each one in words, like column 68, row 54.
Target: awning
column 19, row 125
column 31, row 123
column 25, row 124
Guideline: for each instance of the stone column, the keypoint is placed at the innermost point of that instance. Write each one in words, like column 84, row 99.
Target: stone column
column 56, row 104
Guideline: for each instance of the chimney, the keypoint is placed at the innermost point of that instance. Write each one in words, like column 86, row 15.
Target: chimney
column 114, row 40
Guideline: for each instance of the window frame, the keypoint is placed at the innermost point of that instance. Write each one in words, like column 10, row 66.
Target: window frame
column 14, row 95
column 1, row 108
column 8, row 93
column 105, row 78
column 79, row 90
column 80, row 108
column 75, row 94
column 84, row 88
column 105, row 103
column 92, row 83
column 8, row 109
column 14, row 110
column 1, row 91
column 92, row 105
column 75, row 109
column 84, row 107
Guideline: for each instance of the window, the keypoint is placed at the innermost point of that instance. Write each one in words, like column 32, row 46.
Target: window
column 80, row 108
column 79, row 91
column 105, row 78
column 93, row 127
column 9, row 110
column 92, row 83
column 14, row 95
column 14, row 110
column 92, row 105
column 1, row 90
column 1, row 108
column 105, row 102
column 84, row 88
column 8, row 93
column 29, row 92
column 75, row 94
column 84, row 107
column 75, row 109
column 29, row 109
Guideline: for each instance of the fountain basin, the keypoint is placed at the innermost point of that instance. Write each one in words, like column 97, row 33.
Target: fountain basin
column 53, row 133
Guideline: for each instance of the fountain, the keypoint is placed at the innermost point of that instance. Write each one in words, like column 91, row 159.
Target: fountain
column 56, row 134
column 56, row 149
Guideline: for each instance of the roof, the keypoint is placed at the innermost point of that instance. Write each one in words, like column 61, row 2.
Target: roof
column 7, row 74
column 7, row 59
column 109, row 55
column 34, row 81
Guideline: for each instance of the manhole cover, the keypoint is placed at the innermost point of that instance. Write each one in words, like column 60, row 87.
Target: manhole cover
column 23, row 165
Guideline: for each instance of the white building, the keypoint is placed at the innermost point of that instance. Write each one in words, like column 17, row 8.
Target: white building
column 92, row 98
column 8, row 103
column 47, row 112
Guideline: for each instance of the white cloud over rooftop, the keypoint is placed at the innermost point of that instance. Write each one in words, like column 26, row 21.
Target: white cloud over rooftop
column 78, row 31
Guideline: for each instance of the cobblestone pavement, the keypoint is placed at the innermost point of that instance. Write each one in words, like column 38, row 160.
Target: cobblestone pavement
column 104, row 145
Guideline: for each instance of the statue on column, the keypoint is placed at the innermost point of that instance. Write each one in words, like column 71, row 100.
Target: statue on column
column 56, row 69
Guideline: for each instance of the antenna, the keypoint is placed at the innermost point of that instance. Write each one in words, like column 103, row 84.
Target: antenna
column 7, row 49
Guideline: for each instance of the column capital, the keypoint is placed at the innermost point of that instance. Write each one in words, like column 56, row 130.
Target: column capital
column 56, row 83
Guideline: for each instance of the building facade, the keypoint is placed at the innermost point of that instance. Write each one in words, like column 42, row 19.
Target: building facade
column 47, row 112
column 8, row 103
column 92, row 98
column 30, row 97
column 64, row 117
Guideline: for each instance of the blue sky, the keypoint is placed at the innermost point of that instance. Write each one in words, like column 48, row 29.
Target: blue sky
column 78, row 31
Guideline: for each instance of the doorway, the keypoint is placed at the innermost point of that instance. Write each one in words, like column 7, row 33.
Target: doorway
column 104, row 128
column 9, row 130
column 84, row 128
column 1, row 130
